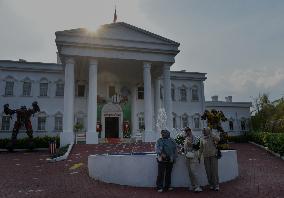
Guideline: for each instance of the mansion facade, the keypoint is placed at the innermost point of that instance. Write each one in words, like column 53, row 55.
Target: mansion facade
column 109, row 81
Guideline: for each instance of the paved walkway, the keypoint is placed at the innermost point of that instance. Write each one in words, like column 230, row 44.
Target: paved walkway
column 29, row 175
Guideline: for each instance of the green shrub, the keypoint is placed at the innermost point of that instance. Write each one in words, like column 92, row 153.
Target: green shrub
column 4, row 143
column 259, row 137
column 39, row 142
column 274, row 141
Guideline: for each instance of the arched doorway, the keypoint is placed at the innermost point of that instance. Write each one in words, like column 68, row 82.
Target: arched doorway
column 112, row 118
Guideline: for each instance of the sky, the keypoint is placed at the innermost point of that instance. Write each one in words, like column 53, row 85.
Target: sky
column 239, row 44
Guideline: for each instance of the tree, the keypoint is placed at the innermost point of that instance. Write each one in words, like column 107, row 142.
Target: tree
column 269, row 116
column 214, row 119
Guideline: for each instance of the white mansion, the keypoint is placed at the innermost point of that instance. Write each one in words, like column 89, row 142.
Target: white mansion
column 119, row 75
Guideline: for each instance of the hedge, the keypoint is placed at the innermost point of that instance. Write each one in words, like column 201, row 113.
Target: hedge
column 273, row 141
column 39, row 142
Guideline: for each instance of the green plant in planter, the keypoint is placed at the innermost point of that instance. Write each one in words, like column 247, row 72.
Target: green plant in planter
column 78, row 127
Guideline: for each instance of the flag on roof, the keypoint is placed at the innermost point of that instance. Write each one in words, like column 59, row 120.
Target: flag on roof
column 114, row 16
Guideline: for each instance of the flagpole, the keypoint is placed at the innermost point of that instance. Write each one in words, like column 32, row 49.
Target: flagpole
column 115, row 15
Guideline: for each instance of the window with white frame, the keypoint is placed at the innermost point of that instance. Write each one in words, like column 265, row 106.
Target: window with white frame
column 194, row 93
column 179, row 121
column 173, row 92
column 58, row 121
column 231, row 125
column 174, row 121
column 183, row 94
column 140, row 93
column 141, row 122
column 161, row 92
column 184, row 120
column 43, row 88
column 9, row 88
column 196, row 121
column 41, row 123
column 27, row 86
column 243, row 125
column 5, row 123
column 59, row 89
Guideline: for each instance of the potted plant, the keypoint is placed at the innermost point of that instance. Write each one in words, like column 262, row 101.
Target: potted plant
column 78, row 127
column 79, row 134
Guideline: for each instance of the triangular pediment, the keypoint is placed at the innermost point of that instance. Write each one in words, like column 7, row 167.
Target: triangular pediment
column 126, row 31
column 121, row 31
column 116, row 41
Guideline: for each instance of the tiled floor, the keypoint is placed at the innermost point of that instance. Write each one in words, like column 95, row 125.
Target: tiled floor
column 24, row 174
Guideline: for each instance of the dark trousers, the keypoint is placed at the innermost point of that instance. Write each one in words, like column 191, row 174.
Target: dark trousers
column 164, row 175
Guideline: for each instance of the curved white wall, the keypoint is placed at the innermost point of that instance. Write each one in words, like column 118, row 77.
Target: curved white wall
column 141, row 170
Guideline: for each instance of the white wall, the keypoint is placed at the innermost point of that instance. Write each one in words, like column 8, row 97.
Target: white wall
column 50, row 104
column 141, row 170
column 236, row 114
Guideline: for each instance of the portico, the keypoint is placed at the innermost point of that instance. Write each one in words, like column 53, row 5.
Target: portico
column 113, row 62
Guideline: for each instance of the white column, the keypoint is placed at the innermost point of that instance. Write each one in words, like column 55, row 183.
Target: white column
column 167, row 94
column 92, row 135
column 157, row 105
column 203, row 104
column 67, row 136
column 133, row 111
column 157, row 99
column 148, row 118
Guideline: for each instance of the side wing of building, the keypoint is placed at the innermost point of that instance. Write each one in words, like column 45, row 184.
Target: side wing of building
column 23, row 82
column 188, row 101
column 237, row 113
